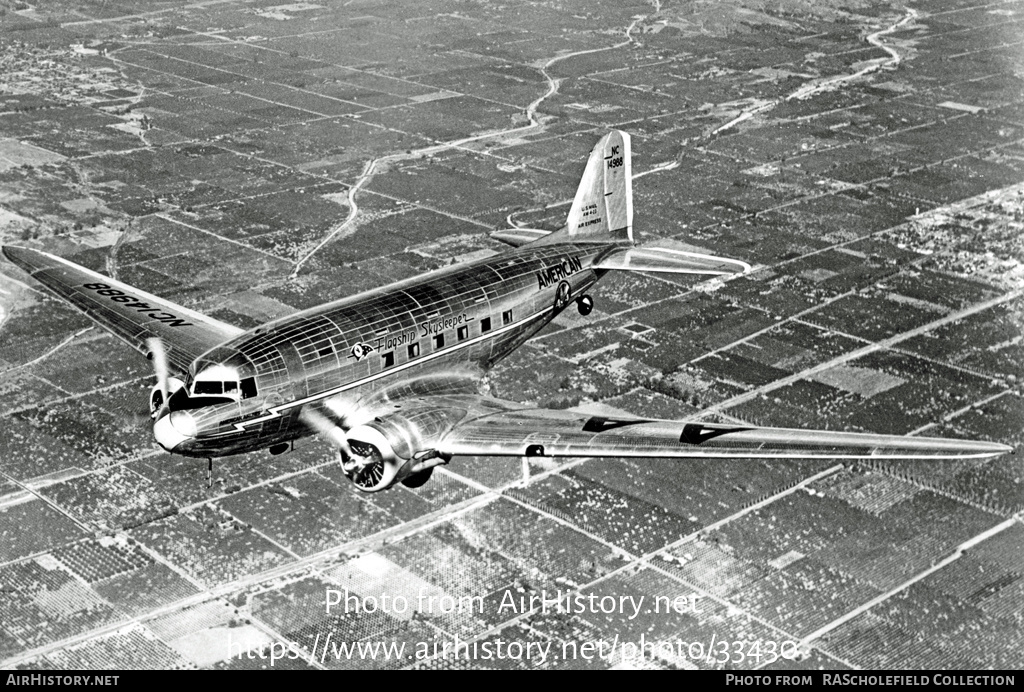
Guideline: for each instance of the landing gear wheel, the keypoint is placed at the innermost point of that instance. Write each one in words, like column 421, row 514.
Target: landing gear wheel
column 585, row 305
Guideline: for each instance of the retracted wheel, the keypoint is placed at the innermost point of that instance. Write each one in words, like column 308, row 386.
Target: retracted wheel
column 563, row 294
column 585, row 305
column 419, row 478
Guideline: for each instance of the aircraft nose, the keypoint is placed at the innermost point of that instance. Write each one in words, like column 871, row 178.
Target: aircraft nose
column 174, row 429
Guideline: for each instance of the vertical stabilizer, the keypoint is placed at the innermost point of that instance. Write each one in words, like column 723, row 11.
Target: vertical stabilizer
column 603, row 205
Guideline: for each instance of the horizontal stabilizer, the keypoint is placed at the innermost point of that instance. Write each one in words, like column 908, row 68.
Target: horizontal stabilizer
column 670, row 261
column 517, row 237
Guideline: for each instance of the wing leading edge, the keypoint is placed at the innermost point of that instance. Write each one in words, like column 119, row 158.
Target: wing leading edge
column 130, row 314
column 542, row 432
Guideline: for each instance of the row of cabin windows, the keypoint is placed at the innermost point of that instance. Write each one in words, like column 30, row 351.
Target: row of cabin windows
column 462, row 333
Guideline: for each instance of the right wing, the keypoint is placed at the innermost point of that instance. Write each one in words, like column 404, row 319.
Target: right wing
column 551, row 433
column 130, row 314
column 402, row 438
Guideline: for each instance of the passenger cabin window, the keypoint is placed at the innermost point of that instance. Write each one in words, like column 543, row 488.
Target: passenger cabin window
column 462, row 332
column 414, row 350
column 389, row 358
column 506, row 317
column 439, row 341
column 485, row 325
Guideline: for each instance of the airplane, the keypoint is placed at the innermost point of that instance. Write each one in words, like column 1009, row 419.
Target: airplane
column 392, row 377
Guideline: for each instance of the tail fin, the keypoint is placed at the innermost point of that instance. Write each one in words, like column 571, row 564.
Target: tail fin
column 603, row 206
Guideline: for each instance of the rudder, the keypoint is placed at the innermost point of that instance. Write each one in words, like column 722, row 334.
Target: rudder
column 603, row 206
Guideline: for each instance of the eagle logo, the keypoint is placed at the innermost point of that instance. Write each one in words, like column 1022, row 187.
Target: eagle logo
column 360, row 351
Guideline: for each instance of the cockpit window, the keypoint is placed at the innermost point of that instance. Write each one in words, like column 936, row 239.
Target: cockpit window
column 217, row 384
column 181, row 401
column 208, row 388
column 216, row 380
column 249, row 388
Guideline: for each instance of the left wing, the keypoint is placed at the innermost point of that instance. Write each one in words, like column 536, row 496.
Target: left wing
column 549, row 433
column 130, row 314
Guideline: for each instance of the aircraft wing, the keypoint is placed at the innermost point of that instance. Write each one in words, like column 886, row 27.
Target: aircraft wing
column 128, row 313
column 542, row 432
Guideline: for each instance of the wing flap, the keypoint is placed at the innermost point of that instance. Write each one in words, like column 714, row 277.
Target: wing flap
column 540, row 432
column 130, row 314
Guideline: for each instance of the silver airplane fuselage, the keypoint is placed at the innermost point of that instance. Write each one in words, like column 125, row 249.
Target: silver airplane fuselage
column 441, row 330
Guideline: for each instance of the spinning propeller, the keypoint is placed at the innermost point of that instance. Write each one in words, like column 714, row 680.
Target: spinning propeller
column 355, row 465
column 158, row 355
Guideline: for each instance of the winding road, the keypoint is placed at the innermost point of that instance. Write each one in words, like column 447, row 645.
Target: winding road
column 372, row 166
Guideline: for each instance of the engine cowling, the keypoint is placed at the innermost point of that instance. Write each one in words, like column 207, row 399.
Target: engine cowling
column 373, row 464
column 390, row 449
column 156, row 396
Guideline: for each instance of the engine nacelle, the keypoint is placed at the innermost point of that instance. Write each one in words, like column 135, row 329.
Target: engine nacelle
column 156, row 396
column 385, row 451
column 374, row 464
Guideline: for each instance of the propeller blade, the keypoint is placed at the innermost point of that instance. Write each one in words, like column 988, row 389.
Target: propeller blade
column 329, row 430
column 158, row 355
column 340, row 411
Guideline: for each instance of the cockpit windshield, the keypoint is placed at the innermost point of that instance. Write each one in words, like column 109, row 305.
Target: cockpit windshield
column 217, row 384
column 215, row 387
column 216, row 380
